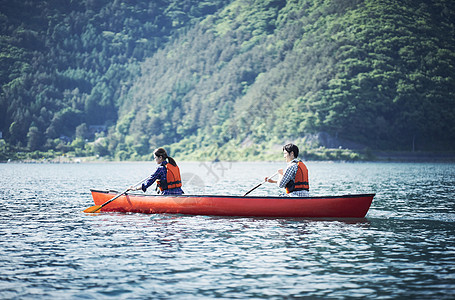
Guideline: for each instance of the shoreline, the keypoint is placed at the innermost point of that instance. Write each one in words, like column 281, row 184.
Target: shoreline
column 401, row 156
column 375, row 156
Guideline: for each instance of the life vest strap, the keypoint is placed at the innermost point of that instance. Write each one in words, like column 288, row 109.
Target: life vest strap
column 174, row 182
column 301, row 189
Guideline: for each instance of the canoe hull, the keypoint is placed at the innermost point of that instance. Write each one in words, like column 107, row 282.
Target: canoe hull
column 347, row 206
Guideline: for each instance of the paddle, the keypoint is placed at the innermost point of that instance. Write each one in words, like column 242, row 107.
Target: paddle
column 95, row 208
column 259, row 184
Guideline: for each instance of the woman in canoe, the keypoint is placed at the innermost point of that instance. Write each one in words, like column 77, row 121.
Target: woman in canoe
column 295, row 178
column 167, row 175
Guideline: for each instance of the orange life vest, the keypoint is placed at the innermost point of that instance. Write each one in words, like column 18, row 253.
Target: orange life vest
column 300, row 181
column 173, row 179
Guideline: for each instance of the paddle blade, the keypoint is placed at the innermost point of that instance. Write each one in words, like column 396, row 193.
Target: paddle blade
column 93, row 209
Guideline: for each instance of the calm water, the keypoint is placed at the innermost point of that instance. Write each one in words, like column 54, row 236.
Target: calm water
column 49, row 249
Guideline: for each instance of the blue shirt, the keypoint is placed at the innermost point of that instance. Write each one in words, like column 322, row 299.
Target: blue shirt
column 161, row 174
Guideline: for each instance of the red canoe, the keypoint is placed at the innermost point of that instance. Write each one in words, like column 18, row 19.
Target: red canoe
column 347, row 206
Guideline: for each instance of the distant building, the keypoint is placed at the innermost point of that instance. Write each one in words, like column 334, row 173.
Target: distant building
column 97, row 128
column 65, row 139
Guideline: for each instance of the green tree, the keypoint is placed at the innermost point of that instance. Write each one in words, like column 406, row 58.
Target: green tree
column 34, row 138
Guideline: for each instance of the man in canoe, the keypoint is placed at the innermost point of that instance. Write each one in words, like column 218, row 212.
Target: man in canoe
column 295, row 178
column 166, row 175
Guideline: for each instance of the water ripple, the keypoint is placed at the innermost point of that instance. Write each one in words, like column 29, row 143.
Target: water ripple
column 403, row 249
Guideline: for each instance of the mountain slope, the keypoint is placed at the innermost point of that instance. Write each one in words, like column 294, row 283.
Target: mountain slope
column 376, row 73
column 206, row 77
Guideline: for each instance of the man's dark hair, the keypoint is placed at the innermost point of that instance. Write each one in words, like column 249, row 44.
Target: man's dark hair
column 291, row 148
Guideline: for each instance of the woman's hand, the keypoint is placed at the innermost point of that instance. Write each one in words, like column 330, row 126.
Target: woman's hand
column 133, row 188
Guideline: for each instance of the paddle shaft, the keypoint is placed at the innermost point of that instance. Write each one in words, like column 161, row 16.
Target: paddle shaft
column 109, row 201
column 259, row 184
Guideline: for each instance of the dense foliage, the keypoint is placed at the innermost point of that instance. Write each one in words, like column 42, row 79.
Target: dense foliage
column 205, row 78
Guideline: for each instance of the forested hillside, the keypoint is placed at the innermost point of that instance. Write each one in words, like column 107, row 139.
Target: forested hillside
column 207, row 79
column 65, row 64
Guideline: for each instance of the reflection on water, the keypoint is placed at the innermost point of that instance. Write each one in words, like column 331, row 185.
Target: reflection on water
column 404, row 248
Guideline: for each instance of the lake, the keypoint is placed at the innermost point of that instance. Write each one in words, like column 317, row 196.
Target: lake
column 404, row 248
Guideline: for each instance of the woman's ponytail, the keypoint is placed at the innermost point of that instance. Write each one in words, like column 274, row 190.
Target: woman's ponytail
column 172, row 161
column 163, row 153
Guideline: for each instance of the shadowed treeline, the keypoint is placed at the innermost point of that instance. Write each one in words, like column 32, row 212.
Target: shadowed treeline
column 118, row 78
